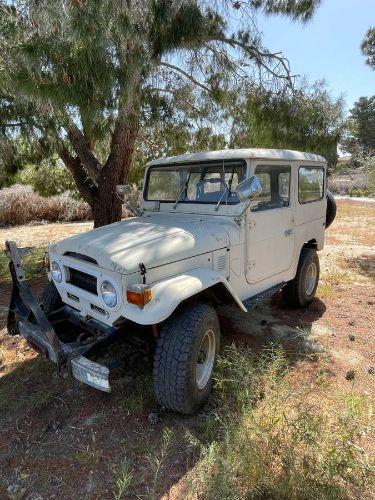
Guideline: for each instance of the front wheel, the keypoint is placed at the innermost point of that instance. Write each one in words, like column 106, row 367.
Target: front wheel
column 185, row 358
column 300, row 291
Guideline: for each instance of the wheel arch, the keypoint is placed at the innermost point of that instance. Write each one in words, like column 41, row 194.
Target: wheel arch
column 206, row 285
column 310, row 244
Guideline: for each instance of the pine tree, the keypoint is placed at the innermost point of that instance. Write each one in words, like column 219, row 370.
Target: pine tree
column 82, row 75
column 368, row 47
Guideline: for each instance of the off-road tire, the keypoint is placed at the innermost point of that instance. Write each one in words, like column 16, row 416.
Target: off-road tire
column 176, row 355
column 50, row 298
column 294, row 293
column 331, row 209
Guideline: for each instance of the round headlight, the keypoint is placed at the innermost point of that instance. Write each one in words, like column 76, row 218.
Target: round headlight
column 56, row 272
column 108, row 293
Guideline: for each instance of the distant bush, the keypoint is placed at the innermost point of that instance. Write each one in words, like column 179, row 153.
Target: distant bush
column 358, row 181
column 20, row 204
column 358, row 192
column 49, row 178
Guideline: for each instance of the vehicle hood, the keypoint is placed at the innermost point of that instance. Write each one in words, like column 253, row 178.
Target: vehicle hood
column 153, row 240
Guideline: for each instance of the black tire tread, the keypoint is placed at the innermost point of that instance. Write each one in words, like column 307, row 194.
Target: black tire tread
column 173, row 355
column 331, row 209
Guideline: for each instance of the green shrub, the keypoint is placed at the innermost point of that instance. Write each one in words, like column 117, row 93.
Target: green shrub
column 49, row 178
column 358, row 192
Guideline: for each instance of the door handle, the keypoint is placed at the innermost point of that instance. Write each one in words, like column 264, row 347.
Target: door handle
column 288, row 232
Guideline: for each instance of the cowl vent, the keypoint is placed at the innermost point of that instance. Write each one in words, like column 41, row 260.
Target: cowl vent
column 80, row 256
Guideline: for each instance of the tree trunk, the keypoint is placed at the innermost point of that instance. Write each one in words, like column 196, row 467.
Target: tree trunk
column 107, row 207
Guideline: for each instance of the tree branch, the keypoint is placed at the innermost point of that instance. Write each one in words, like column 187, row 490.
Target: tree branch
column 259, row 56
column 174, row 92
column 186, row 74
column 81, row 147
column 74, row 165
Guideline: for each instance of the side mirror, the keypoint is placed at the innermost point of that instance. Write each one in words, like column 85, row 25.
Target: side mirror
column 249, row 188
column 122, row 190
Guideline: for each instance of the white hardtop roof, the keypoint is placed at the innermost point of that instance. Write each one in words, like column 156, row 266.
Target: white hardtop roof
column 238, row 154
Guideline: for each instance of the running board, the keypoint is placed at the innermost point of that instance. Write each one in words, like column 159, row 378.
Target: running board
column 255, row 300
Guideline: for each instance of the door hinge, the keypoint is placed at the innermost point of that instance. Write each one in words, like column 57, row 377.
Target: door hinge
column 251, row 224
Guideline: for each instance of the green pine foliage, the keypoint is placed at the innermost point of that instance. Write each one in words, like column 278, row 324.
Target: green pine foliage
column 306, row 120
column 87, row 77
column 368, row 47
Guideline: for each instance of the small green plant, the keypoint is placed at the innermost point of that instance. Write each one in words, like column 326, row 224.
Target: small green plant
column 325, row 291
column 157, row 458
column 133, row 393
column 123, row 481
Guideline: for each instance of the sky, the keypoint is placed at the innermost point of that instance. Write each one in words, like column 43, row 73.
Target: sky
column 328, row 46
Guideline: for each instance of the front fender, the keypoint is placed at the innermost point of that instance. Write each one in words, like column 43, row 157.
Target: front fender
column 167, row 294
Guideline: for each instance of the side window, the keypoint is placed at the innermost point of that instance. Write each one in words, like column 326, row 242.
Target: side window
column 310, row 184
column 275, row 182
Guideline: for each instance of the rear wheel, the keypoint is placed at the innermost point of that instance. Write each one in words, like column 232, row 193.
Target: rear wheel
column 300, row 291
column 185, row 358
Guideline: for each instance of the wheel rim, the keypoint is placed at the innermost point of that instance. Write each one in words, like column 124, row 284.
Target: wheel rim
column 205, row 359
column 311, row 276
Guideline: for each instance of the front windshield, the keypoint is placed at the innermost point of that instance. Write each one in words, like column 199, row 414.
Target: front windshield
column 195, row 183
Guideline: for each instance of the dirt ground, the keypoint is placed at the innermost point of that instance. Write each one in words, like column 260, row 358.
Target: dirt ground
column 61, row 439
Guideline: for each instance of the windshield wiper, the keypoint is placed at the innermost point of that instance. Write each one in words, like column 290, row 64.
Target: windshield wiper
column 226, row 190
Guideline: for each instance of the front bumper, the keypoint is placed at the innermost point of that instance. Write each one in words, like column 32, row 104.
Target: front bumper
column 78, row 366
column 27, row 319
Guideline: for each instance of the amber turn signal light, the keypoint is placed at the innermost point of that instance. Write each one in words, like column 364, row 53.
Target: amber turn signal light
column 138, row 294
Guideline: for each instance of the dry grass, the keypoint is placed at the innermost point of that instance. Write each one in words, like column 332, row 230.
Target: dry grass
column 278, row 441
column 20, row 204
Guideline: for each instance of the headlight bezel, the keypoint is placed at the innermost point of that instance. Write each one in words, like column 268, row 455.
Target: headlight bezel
column 105, row 293
column 56, row 277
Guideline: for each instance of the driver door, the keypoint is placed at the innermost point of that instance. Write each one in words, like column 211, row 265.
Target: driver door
column 270, row 225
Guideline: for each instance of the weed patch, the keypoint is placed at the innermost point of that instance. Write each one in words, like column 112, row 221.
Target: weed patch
column 278, row 441
column 123, row 481
column 32, row 264
column 325, row 291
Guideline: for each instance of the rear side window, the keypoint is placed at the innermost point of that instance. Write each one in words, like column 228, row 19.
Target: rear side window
column 310, row 184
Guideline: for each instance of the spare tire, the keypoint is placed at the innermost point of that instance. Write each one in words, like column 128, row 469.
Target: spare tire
column 331, row 209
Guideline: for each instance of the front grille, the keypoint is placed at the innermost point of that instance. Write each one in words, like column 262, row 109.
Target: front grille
column 98, row 309
column 81, row 256
column 73, row 297
column 82, row 280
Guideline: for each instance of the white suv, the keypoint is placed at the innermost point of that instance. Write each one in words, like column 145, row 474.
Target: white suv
column 218, row 227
